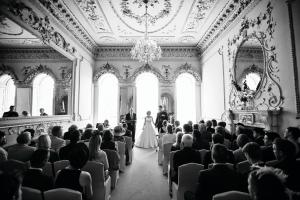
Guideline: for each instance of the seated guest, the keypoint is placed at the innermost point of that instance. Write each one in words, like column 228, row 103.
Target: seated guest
column 178, row 129
column 220, row 178
column 258, row 134
column 25, row 113
column 106, row 124
column 265, row 184
column 128, row 133
column 87, row 134
column 253, row 154
column 227, row 132
column 285, row 153
column 34, row 177
column 10, row 186
column 3, row 153
column 177, row 145
column 42, row 112
column 56, row 141
column 65, row 151
column 221, row 130
column 163, row 129
column 241, row 140
column 72, row 177
column 11, row 112
column 96, row 154
column 209, row 127
column 214, row 123
column 44, row 142
column 268, row 153
column 293, row 134
column 169, row 137
column 177, row 124
column 32, row 133
column 100, row 127
column 207, row 136
column 118, row 134
column 187, row 129
column 70, row 130
column 186, row 155
column 21, row 151
column 199, row 141
column 108, row 142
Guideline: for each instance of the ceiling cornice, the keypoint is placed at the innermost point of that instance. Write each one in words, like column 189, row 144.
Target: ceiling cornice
column 30, row 53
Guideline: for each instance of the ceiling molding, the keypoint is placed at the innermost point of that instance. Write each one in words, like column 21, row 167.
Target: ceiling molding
column 38, row 53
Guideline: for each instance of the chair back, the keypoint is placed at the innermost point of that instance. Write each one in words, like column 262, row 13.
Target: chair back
column 62, row 194
column 167, row 149
column 188, row 176
column 113, row 159
column 171, row 162
column 128, row 142
column 243, row 167
column 232, row 195
column 230, row 165
column 203, row 152
column 48, row 169
column 171, row 171
column 59, row 165
column 31, row 194
column 13, row 165
column 121, row 148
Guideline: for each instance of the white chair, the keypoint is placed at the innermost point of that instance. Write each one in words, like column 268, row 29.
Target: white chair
column 121, row 151
column 171, row 171
column 243, row 167
column 166, row 150
column 114, row 164
column 59, row 165
column 48, row 169
column 31, row 194
column 101, row 187
column 232, row 195
column 160, row 153
column 187, row 180
column 128, row 147
column 62, row 194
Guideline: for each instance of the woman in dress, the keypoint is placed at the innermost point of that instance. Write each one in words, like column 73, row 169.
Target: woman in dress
column 147, row 139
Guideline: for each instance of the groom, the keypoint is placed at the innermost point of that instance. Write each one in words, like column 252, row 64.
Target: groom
column 130, row 120
column 161, row 116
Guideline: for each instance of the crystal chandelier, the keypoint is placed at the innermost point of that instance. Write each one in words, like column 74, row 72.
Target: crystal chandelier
column 146, row 50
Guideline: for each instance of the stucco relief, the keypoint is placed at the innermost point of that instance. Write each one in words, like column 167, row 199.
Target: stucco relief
column 186, row 68
column 5, row 69
column 31, row 72
column 107, row 68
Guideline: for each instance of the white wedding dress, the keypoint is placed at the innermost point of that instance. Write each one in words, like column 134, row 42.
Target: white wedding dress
column 147, row 139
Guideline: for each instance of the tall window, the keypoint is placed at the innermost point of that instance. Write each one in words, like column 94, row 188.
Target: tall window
column 42, row 94
column 108, row 98
column 186, row 98
column 7, row 93
column 147, row 97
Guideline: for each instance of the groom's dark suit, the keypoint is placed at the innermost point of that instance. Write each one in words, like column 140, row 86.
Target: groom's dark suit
column 161, row 116
column 131, row 120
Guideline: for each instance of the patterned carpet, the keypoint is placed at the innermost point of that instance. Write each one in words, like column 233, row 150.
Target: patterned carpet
column 143, row 179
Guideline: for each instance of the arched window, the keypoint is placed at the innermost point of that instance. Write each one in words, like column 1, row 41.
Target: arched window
column 147, row 97
column 42, row 94
column 108, row 98
column 186, row 98
column 7, row 93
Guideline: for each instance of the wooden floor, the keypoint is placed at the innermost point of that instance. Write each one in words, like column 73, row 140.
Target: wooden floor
column 143, row 179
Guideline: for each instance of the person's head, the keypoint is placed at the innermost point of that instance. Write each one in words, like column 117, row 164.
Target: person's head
column 208, row 124
column 94, row 145
column 165, row 123
column 242, row 140
column 11, row 108
column 177, row 123
column 170, row 129
column 217, row 138
column 24, row 138
column 219, row 153
column 2, row 138
column 89, row 126
column 292, row 134
column 252, row 152
column 187, row 140
column 202, row 129
column 39, row 158
column 10, row 186
column 284, row 149
column 44, row 142
column 57, row 131
column 131, row 110
column 196, row 127
column 107, row 136
column 42, row 110
column 270, row 137
column 31, row 131
column 79, row 155
column 106, row 123
column 72, row 128
column 118, row 131
column 201, row 121
column 223, row 124
column 220, row 130
column 178, row 129
column 24, row 113
column 125, row 126
column 160, row 107
column 148, row 113
column 100, row 126
column 179, row 137
column 214, row 122
column 266, row 184
column 239, row 127
column 187, row 128
column 74, row 137
column 258, row 132
column 190, row 123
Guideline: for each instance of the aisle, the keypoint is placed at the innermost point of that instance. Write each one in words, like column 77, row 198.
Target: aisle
column 143, row 179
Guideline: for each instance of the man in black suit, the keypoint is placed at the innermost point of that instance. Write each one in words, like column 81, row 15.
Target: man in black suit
column 131, row 121
column 220, row 178
column 11, row 112
column 161, row 116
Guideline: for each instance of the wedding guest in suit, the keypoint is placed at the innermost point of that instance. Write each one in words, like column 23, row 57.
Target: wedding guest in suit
column 128, row 132
column 187, row 129
column 21, row 151
column 209, row 127
column 293, row 134
column 87, row 134
column 207, row 136
column 108, row 141
column 65, row 151
column 169, row 137
column 258, row 134
column 199, row 141
column 96, row 154
column 177, row 145
column 161, row 116
column 11, row 112
column 267, row 150
column 3, row 153
column 253, row 154
column 42, row 112
column 71, row 129
column 221, row 130
column 34, row 177
column 214, row 123
column 131, row 121
column 220, row 178
column 44, row 142
column 227, row 132
column 241, row 140
column 56, row 141
column 185, row 155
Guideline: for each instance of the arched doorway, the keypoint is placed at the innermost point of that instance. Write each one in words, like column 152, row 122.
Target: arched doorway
column 7, row 93
column 146, row 97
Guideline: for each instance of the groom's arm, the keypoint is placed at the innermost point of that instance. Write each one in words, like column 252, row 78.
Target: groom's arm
column 156, row 121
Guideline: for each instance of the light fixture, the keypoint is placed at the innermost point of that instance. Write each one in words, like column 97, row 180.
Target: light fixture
column 146, row 50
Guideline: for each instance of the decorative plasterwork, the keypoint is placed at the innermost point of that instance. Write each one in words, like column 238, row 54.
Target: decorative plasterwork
column 41, row 24
column 31, row 72
column 269, row 96
column 147, row 68
column 66, row 78
column 4, row 69
column 13, row 54
column 186, row 68
column 107, row 68
column 103, row 52
column 62, row 13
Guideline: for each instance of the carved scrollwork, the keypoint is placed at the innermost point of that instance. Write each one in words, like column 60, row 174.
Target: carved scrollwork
column 186, row 68
column 31, row 72
column 4, row 69
column 107, row 68
column 269, row 96
column 147, row 68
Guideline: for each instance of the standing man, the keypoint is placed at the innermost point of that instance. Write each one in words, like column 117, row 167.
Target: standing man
column 161, row 116
column 131, row 120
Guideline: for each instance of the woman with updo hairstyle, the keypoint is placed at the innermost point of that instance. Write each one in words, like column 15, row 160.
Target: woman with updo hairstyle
column 108, row 141
column 96, row 154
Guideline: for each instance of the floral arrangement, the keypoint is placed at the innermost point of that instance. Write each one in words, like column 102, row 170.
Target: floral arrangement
column 245, row 94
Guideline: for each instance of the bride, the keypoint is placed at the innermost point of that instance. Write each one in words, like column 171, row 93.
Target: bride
column 147, row 139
